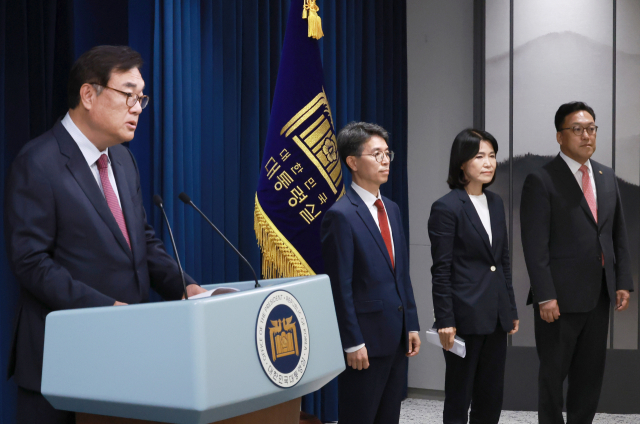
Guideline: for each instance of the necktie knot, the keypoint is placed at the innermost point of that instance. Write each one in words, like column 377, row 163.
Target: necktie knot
column 103, row 161
column 378, row 204
column 584, row 170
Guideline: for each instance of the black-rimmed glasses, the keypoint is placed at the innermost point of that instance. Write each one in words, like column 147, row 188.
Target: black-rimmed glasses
column 379, row 156
column 579, row 129
column 132, row 98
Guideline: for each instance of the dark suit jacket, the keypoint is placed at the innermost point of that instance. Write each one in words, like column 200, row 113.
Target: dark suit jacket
column 374, row 303
column 563, row 243
column 471, row 278
column 65, row 246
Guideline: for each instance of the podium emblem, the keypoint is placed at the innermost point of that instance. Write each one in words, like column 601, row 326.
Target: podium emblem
column 282, row 339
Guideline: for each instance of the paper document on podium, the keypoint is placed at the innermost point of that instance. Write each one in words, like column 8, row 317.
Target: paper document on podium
column 458, row 348
column 214, row 292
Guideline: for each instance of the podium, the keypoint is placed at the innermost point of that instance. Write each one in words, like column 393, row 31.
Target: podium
column 196, row 361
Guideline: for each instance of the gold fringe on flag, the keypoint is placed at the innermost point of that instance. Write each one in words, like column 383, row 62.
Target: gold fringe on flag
column 310, row 13
column 279, row 257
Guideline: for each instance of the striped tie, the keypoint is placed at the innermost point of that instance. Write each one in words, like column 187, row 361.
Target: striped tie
column 110, row 195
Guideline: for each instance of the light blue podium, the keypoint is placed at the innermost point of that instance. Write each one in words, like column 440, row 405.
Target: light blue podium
column 196, row 361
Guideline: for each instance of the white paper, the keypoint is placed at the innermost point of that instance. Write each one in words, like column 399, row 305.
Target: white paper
column 458, row 348
column 209, row 293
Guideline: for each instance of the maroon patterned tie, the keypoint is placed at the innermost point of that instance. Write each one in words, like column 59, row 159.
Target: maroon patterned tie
column 110, row 195
column 588, row 194
column 384, row 229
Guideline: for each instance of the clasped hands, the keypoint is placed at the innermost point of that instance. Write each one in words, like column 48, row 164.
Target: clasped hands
column 359, row 360
column 448, row 334
column 192, row 290
column 550, row 311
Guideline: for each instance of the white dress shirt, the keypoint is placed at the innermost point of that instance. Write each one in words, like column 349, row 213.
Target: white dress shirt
column 575, row 170
column 482, row 207
column 370, row 200
column 91, row 154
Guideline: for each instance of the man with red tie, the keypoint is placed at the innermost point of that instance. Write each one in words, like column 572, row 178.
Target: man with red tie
column 575, row 246
column 76, row 230
column 365, row 255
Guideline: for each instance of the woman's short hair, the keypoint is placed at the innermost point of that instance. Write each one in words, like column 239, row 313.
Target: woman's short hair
column 465, row 146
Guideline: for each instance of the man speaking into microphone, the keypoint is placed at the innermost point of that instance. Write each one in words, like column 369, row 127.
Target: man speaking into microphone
column 76, row 229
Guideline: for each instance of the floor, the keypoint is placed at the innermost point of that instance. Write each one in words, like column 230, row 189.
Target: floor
column 423, row 411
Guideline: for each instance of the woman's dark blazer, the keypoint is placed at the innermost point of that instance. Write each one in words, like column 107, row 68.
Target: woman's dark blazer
column 471, row 277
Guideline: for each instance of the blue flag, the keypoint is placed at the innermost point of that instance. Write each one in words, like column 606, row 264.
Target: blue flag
column 301, row 175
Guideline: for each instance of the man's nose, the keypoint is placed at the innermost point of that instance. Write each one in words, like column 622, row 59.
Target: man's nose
column 136, row 109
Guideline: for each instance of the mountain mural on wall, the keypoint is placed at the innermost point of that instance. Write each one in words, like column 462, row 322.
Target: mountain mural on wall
column 557, row 68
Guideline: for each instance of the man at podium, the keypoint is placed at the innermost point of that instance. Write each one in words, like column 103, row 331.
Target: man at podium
column 76, row 229
column 365, row 255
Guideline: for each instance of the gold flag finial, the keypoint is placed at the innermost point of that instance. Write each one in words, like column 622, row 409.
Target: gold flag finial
column 310, row 13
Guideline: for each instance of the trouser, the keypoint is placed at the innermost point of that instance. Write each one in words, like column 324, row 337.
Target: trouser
column 573, row 346
column 477, row 380
column 374, row 395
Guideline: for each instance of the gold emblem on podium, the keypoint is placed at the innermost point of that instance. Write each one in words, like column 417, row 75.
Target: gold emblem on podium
column 312, row 130
column 284, row 338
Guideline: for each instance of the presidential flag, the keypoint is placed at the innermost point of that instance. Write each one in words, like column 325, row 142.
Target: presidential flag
column 301, row 175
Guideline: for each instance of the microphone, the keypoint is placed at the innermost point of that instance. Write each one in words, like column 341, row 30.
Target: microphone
column 187, row 200
column 158, row 201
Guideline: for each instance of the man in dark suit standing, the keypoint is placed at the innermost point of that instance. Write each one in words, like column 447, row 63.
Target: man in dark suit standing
column 76, row 229
column 365, row 255
column 575, row 246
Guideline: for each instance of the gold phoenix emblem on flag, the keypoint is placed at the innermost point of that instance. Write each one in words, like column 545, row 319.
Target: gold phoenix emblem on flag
column 312, row 130
column 284, row 338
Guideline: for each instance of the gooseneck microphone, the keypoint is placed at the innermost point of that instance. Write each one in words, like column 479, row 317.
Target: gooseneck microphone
column 187, row 200
column 158, row 201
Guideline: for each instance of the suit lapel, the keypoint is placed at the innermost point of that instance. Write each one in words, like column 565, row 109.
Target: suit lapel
column 125, row 199
column 365, row 215
column 598, row 180
column 568, row 184
column 79, row 168
column 473, row 216
column 396, row 228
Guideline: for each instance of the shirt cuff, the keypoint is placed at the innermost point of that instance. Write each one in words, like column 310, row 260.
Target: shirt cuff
column 413, row 331
column 354, row 348
column 544, row 301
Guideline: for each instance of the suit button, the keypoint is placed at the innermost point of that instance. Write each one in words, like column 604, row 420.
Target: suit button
column 400, row 308
column 493, row 268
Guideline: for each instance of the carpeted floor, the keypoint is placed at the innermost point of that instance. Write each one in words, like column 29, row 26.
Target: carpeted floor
column 422, row 411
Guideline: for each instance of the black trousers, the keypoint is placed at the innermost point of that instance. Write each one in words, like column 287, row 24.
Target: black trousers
column 374, row 395
column 574, row 346
column 477, row 380
column 33, row 408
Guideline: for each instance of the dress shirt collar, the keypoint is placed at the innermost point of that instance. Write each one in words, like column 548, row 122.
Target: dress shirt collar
column 368, row 198
column 575, row 166
column 89, row 150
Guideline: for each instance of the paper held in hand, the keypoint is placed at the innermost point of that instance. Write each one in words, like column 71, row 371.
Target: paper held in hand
column 215, row 292
column 458, row 348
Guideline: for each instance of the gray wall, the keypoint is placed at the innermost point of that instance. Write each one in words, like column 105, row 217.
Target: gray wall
column 440, row 101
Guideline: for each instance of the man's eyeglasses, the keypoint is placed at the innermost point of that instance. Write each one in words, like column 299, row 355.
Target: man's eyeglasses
column 579, row 129
column 132, row 98
column 379, row 156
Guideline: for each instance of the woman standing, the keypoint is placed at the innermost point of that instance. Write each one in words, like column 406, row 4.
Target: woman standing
column 471, row 276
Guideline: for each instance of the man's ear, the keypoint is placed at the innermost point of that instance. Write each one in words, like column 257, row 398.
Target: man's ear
column 88, row 95
column 351, row 163
column 559, row 137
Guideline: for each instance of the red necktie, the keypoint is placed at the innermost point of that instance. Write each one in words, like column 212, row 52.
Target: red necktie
column 588, row 194
column 110, row 195
column 384, row 229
